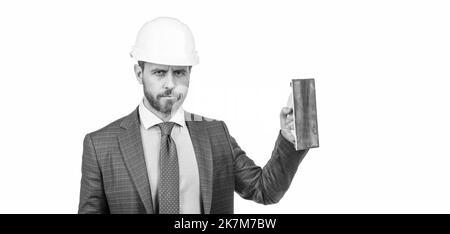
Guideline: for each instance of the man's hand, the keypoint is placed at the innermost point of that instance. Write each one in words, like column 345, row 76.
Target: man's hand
column 287, row 124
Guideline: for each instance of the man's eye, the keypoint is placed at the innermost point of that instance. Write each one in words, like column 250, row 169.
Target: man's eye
column 159, row 73
column 180, row 73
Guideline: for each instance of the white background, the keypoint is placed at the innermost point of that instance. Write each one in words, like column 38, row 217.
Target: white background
column 382, row 79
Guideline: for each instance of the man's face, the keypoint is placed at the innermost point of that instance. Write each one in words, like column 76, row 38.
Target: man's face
column 165, row 86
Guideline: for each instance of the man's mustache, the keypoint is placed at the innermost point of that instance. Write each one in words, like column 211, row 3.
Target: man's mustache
column 169, row 93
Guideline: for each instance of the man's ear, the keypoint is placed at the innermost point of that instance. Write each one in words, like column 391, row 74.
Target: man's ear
column 139, row 73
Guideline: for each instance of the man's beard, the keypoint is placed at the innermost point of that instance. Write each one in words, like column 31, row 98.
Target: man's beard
column 166, row 107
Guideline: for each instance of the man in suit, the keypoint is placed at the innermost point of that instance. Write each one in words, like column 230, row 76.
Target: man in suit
column 163, row 159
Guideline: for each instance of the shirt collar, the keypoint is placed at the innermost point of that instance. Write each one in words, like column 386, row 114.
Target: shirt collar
column 148, row 119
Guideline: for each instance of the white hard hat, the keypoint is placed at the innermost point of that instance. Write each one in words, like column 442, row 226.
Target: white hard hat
column 165, row 40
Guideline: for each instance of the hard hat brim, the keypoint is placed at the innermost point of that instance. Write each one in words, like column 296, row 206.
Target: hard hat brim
column 176, row 61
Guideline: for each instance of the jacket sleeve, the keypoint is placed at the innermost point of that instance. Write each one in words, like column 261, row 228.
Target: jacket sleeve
column 92, row 195
column 265, row 185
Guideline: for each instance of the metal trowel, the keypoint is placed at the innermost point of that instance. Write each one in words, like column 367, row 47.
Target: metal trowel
column 303, row 101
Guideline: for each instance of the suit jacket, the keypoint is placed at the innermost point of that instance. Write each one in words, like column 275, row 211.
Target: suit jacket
column 114, row 175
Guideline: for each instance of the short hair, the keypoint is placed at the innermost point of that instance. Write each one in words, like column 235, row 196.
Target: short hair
column 142, row 65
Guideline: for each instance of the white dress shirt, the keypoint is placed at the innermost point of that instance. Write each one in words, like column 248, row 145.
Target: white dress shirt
column 189, row 176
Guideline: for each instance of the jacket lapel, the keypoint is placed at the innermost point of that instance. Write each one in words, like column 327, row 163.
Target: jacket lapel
column 130, row 144
column 203, row 154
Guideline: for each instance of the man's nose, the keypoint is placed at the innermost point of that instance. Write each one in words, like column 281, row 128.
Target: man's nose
column 169, row 84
